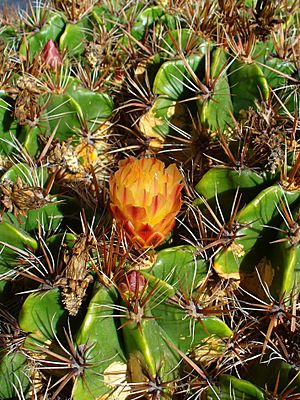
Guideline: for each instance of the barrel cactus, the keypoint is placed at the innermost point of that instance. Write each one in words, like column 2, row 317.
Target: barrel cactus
column 149, row 195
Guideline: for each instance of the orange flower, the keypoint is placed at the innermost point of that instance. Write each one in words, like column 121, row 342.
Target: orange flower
column 145, row 199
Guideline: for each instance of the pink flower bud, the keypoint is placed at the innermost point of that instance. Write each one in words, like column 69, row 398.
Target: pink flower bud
column 51, row 55
column 134, row 283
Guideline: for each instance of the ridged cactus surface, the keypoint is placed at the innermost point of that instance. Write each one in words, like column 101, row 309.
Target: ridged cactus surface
column 149, row 196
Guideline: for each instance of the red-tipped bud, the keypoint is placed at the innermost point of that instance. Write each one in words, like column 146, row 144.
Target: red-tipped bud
column 52, row 56
column 134, row 283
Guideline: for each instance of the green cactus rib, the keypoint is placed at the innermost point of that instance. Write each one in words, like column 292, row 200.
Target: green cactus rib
column 242, row 254
column 209, row 313
column 42, row 316
column 13, row 374
column 216, row 111
column 105, row 361
column 36, row 42
column 285, row 260
column 232, row 387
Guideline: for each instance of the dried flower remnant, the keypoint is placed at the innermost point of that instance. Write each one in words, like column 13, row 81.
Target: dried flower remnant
column 27, row 108
column 145, row 199
column 19, row 198
column 77, row 278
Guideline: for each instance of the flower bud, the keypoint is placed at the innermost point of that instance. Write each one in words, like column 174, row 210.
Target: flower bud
column 134, row 283
column 51, row 55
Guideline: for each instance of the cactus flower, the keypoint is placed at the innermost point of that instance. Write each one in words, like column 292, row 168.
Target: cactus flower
column 145, row 199
column 52, row 56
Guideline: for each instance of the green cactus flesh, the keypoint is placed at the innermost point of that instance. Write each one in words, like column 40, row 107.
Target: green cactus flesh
column 107, row 291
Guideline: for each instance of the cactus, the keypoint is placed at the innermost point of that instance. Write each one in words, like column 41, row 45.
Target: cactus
column 149, row 194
